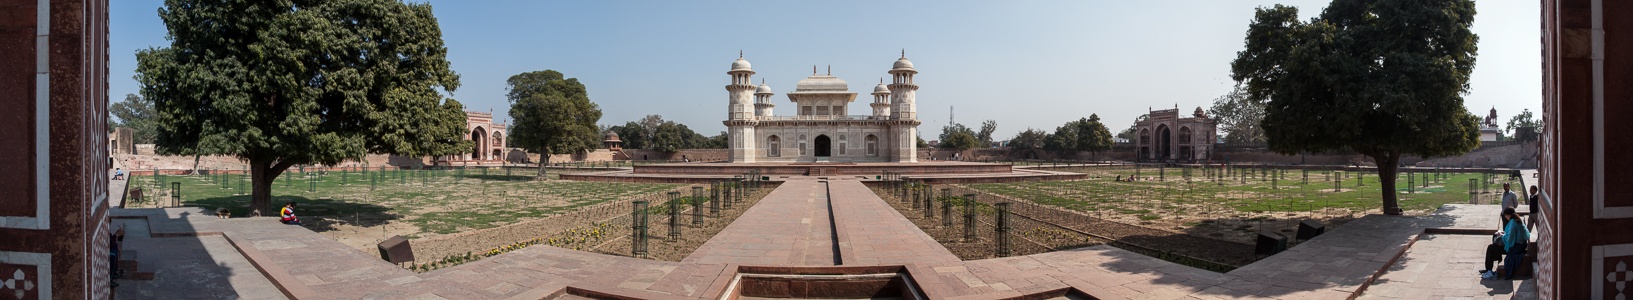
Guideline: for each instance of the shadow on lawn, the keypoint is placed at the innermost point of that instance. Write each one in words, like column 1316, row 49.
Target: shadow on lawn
column 319, row 215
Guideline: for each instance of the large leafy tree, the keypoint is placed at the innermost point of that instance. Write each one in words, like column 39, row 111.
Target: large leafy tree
column 137, row 114
column 958, row 137
column 631, row 135
column 1381, row 78
column 1084, row 134
column 1239, row 116
column 1092, row 135
column 552, row 114
column 1028, row 142
column 282, row 83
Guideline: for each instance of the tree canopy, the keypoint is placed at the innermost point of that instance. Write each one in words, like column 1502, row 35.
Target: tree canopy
column 958, row 137
column 137, row 114
column 1524, row 126
column 1085, row 134
column 985, row 134
column 664, row 135
column 1381, row 78
column 1028, row 141
column 1239, row 116
column 552, row 114
column 281, row 83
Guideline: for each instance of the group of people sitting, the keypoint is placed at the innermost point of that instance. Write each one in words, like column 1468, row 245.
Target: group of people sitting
column 1509, row 244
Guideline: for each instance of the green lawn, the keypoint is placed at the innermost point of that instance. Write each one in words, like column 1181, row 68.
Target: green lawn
column 437, row 201
column 1174, row 194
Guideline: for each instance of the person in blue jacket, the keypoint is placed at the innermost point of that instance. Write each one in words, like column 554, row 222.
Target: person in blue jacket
column 1508, row 246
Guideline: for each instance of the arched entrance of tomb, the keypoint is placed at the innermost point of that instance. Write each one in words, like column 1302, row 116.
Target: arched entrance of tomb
column 1163, row 142
column 480, row 137
column 824, row 146
column 498, row 154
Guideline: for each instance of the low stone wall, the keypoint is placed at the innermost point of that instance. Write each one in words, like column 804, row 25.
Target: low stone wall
column 1521, row 155
column 679, row 155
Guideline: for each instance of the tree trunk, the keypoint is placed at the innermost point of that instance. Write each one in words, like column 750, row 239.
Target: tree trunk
column 1387, row 167
column 195, row 165
column 262, row 175
column 544, row 160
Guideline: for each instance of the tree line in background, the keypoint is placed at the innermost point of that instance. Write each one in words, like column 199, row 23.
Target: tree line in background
column 1084, row 134
column 654, row 133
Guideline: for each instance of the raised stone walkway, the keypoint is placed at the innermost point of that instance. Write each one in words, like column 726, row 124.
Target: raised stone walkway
column 304, row 265
column 789, row 227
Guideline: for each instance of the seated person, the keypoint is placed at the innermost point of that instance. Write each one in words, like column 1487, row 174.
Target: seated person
column 1508, row 246
column 287, row 214
column 118, row 174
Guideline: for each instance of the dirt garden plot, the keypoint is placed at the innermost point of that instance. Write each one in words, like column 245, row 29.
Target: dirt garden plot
column 1234, row 204
column 361, row 208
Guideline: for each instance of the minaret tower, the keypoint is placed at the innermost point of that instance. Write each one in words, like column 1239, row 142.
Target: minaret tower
column 762, row 100
column 904, row 117
column 881, row 101
column 740, row 122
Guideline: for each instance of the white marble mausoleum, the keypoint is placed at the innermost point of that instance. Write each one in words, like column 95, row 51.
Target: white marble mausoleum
column 822, row 130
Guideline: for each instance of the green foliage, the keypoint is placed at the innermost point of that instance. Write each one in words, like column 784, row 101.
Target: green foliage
column 137, row 114
column 985, row 135
column 283, row 83
column 552, row 114
column 1239, row 116
column 664, row 135
column 921, row 143
column 1029, row 140
column 631, row 134
column 1086, row 134
column 1380, row 78
column 1520, row 123
column 958, row 137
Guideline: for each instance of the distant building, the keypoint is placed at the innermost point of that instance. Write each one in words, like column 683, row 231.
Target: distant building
column 1489, row 131
column 1164, row 136
column 821, row 130
column 489, row 139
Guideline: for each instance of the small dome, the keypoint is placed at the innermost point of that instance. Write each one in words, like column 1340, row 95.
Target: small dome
column 764, row 89
column 740, row 65
column 612, row 136
column 1199, row 113
column 881, row 89
column 825, row 83
column 902, row 64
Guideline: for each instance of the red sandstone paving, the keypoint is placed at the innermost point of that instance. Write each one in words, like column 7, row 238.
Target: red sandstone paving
column 313, row 267
column 873, row 233
column 789, row 226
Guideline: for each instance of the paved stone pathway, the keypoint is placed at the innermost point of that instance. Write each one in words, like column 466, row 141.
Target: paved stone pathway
column 790, row 226
column 305, row 265
column 192, row 267
column 1440, row 266
column 872, row 233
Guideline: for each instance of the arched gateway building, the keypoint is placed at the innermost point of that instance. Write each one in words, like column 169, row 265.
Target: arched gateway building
column 822, row 131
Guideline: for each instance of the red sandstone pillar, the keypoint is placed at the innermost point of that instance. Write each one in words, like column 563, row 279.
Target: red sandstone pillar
column 53, row 144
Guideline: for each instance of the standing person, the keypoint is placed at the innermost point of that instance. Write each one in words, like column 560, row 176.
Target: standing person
column 287, row 214
column 1510, row 202
column 1531, row 203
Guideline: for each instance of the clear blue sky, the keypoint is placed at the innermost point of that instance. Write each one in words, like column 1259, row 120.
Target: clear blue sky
column 1025, row 64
